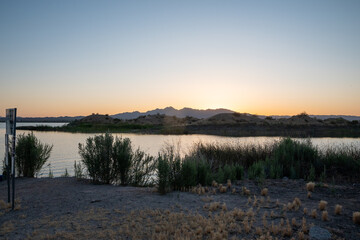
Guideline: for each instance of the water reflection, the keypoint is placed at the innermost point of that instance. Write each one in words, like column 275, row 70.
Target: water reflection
column 65, row 150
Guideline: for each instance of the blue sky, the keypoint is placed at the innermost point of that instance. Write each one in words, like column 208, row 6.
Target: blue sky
column 265, row 57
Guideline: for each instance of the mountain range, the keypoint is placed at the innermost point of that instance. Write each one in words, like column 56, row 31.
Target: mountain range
column 170, row 111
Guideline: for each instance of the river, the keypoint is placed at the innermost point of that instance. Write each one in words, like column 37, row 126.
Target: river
column 65, row 145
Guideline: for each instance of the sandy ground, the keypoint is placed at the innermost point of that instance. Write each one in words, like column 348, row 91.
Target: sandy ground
column 65, row 208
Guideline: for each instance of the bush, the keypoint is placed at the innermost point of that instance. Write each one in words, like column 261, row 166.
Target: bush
column 275, row 169
column 257, row 171
column 31, row 155
column 96, row 155
column 219, row 176
column 78, row 170
column 163, row 175
column 122, row 155
column 110, row 160
column 169, row 154
column 189, row 173
column 143, row 166
column 239, row 172
column 312, row 175
column 204, row 175
column 229, row 172
column 296, row 157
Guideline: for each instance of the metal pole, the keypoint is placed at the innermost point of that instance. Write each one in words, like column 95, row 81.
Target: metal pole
column 7, row 164
column 13, row 160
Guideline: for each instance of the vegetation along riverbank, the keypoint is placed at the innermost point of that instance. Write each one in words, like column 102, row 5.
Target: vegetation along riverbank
column 225, row 124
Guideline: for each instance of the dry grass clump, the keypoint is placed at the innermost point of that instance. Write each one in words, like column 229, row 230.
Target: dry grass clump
column 305, row 211
column 338, row 209
column 264, row 192
column 310, row 186
column 233, row 190
column 322, row 205
column 356, row 217
column 4, row 205
column 223, row 189
column 246, row 191
column 296, row 203
column 6, row 227
column 313, row 213
column 214, row 184
column 214, row 206
column 309, row 195
column 229, row 183
column 304, row 227
column 325, row 216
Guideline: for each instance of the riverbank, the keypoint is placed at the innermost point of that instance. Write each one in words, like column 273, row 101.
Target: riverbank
column 231, row 124
column 64, row 208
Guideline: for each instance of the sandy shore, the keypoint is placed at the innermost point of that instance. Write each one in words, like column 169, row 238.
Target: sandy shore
column 64, row 208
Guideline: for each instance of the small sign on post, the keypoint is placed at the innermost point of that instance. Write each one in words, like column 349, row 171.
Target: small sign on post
column 10, row 152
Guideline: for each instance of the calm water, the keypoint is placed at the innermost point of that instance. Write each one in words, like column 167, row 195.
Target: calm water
column 65, row 150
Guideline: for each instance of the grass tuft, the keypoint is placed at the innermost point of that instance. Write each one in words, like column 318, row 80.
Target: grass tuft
column 356, row 217
column 310, row 186
column 338, row 209
column 264, row 192
column 325, row 216
column 322, row 205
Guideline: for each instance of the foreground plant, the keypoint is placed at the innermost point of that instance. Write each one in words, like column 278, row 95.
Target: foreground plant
column 111, row 160
column 31, row 155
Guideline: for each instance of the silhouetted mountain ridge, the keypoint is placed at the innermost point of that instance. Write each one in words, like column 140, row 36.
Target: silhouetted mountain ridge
column 170, row 111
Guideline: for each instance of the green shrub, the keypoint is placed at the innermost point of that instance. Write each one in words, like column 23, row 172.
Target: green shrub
column 31, row 155
column 122, row 156
column 173, row 160
column 204, row 175
column 219, row 176
column 239, row 172
column 189, row 173
column 275, row 169
column 257, row 171
column 296, row 157
column 229, row 172
column 78, row 170
column 163, row 175
column 142, row 168
column 110, row 160
column 96, row 155
column 312, row 174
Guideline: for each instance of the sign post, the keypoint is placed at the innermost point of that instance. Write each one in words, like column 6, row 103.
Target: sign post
column 10, row 131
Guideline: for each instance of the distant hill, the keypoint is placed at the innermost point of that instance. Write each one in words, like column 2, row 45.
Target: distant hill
column 181, row 113
column 321, row 117
column 170, row 111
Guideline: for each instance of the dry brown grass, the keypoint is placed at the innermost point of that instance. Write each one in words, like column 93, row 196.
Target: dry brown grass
column 313, row 213
column 223, row 189
column 309, row 195
column 305, row 211
column 325, row 216
column 229, row 183
column 310, row 186
column 264, row 192
column 356, row 217
column 338, row 209
column 6, row 227
column 322, row 205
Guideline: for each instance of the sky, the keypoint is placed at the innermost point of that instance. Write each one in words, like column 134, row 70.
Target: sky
column 71, row 58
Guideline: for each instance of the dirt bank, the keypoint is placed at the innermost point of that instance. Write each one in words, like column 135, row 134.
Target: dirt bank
column 64, row 208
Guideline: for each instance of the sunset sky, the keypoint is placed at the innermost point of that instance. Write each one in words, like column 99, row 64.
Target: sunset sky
column 78, row 57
